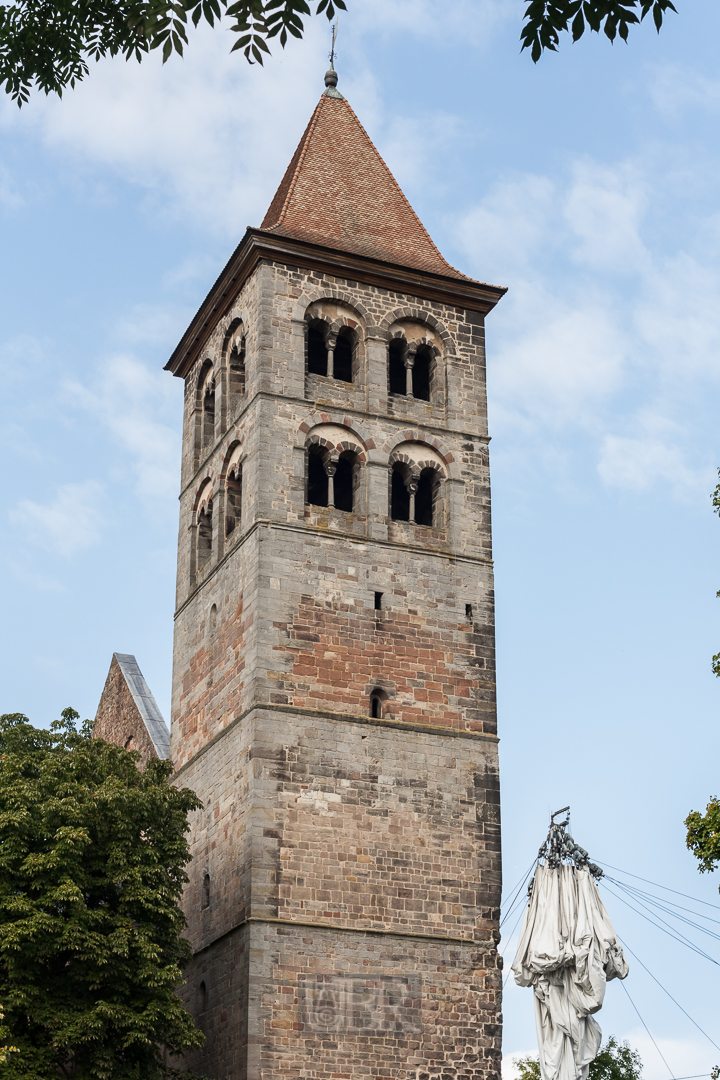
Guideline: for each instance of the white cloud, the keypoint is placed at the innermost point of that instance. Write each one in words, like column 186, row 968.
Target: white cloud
column 129, row 400
column 506, row 230
column 464, row 20
column 598, row 331
column 560, row 363
column 603, row 209
column 686, row 1057
column 640, row 461
column 10, row 197
column 674, row 89
column 71, row 522
column 207, row 135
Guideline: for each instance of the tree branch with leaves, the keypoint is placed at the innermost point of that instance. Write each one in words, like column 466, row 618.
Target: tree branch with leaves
column 48, row 44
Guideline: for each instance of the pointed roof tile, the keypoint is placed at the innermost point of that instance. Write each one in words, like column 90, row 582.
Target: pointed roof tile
column 338, row 192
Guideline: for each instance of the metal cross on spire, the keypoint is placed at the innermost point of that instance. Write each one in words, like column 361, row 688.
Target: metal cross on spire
column 332, row 47
column 331, row 75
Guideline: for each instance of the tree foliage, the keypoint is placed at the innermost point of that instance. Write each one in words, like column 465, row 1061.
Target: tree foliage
column 616, row 1061
column 545, row 20
column 703, row 835
column 92, row 857
column 49, row 43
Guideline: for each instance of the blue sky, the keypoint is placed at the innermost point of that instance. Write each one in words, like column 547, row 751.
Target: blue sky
column 590, row 185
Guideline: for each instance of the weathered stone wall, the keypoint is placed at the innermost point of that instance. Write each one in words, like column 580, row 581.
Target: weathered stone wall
column 337, row 828
column 117, row 719
column 345, row 1006
column 316, row 815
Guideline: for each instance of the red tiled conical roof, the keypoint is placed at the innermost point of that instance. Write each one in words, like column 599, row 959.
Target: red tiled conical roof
column 339, row 193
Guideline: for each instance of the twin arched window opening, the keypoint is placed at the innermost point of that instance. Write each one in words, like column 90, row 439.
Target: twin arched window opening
column 329, row 353
column 414, row 496
column 332, row 480
column 410, row 369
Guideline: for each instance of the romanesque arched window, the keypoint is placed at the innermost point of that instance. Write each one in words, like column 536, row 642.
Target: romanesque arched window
column 207, row 407
column 422, row 372
column 317, row 359
column 204, row 534
column 397, row 377
column 317, row 477
column 343, row 355
column 344, row 482
column 233, row 498
column 426, row 497
column 416, row 486
column 236, row 367
column 399, row 493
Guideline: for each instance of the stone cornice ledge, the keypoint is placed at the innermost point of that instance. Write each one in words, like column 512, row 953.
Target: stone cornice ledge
column 257, row 245
column 351, row 718
column 442, row 939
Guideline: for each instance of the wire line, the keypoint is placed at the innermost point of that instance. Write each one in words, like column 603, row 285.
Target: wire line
column 518, row 891
column 681, row 939
column 658, row 886
column 647, row 1029
column 670, row 927
column 669, row 994
column 662, row 900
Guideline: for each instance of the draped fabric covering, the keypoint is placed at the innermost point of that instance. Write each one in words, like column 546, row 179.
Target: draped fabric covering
column 567, row 952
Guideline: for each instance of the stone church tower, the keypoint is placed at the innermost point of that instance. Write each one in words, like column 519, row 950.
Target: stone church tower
column 333, row 689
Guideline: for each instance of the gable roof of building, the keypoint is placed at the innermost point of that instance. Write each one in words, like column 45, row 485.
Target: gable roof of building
column 145, row 703
column 338, row 192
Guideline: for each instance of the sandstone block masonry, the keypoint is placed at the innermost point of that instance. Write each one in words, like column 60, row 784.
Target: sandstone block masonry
column 128, row 715
column 334, row 689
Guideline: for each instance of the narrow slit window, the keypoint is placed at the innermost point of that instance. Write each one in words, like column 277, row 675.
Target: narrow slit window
column 205, row 901
column 468, row 612
column 202, row 997
column 317, row 489
column 343, row 357
column 397, row 379
column 376, row 706
column 378, row 601
column 317, row 351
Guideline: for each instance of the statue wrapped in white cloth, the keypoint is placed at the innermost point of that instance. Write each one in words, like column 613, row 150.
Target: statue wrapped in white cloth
column 568, row 951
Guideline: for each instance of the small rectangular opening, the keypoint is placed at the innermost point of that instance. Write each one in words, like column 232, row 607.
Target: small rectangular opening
column 378, row 601
column 468, row 612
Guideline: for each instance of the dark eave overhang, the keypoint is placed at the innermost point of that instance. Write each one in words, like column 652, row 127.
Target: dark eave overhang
column 257, row 245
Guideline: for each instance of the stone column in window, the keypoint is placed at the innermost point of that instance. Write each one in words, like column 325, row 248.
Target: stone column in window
column 331, row 341
column 409, row 361
column 331, row 468
column 412, row 485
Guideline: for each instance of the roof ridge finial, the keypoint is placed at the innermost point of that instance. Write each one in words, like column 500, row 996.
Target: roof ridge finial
column 331, row 74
